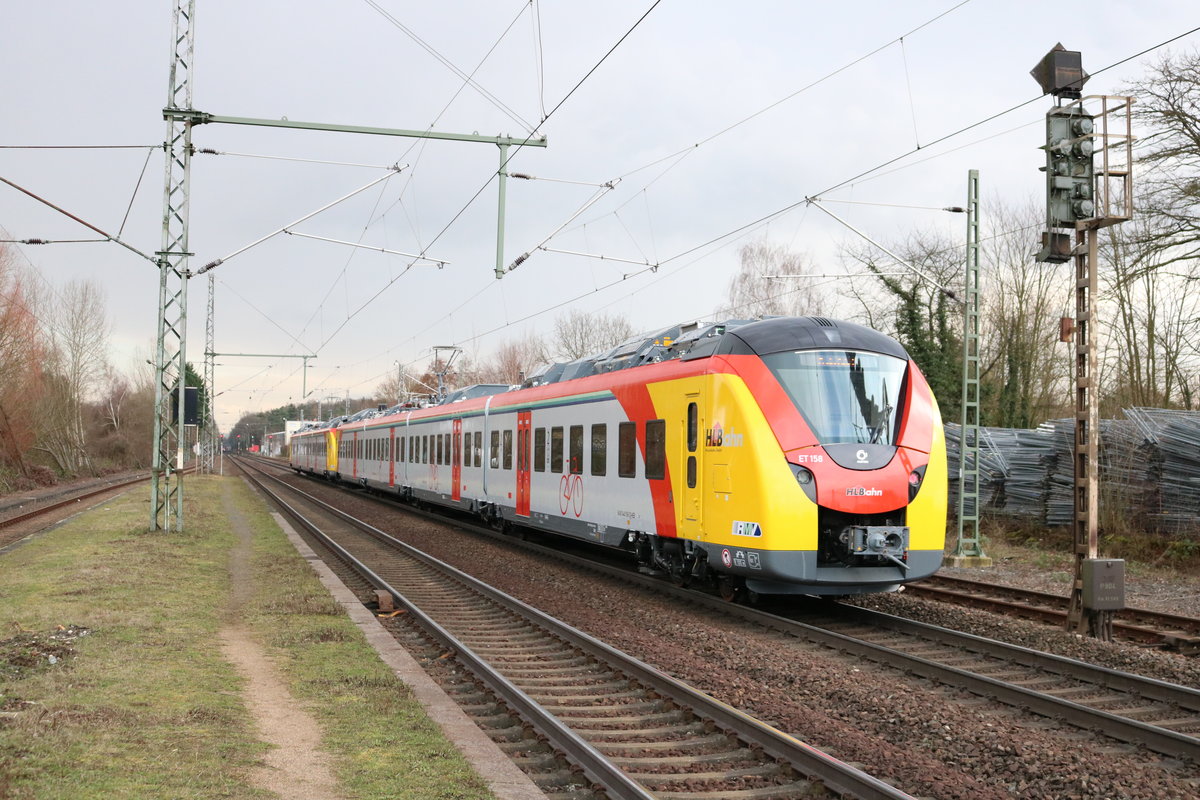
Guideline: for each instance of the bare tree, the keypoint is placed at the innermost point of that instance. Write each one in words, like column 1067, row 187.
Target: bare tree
column 21, row 348
column 513, row 361
column 75, row 362
column 1154, row 324
column 772, row 281
column 1025, row 369
column 1168, row 106
column 578, row 334
column 917, row 312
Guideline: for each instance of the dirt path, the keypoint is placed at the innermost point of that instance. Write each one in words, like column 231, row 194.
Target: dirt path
column 295, row 766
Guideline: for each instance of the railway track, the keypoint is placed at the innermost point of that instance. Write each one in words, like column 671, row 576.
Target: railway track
column 19, row 525
column 1141, row 626
column 1161, row 716
column 629, row 728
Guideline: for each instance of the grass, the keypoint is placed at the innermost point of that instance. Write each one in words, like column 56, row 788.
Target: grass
column 145, row 706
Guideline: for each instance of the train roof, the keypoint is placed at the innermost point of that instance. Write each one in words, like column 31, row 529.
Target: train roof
column 784, row 334
column 696, row 340
column 730, row 337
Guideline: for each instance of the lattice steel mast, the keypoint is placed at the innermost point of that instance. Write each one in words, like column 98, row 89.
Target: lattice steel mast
column 968, row 549
column 166, row 485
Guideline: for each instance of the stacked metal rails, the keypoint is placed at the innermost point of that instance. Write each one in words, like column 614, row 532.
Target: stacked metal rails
column 1149, row 470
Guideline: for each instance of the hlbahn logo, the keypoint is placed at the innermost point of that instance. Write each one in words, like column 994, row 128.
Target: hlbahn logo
column 859, row 491
column 717, row 437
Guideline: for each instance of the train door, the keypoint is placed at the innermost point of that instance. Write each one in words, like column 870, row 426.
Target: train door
column 391, row 453
column 456, row 461
column 691, row 522
column 354, row 454
column 524, row 435
column 331, row 450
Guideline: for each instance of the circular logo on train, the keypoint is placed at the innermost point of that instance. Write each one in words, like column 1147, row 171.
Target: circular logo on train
column 726, row 558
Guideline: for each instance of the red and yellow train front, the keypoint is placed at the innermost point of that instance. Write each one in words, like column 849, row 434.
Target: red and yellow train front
column 817, row 471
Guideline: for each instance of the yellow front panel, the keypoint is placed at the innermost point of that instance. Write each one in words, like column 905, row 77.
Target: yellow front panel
column 927, row 512
column 742, row 475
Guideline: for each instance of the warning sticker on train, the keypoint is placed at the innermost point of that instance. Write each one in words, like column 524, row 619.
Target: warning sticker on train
column 726, row 557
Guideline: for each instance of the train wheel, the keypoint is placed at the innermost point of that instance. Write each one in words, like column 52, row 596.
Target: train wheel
column 681, row 574
column 731, row 588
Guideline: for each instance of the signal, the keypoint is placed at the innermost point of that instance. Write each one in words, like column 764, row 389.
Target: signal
column 1070, row 167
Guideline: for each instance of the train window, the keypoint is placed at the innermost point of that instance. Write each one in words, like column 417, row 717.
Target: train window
column 446, row 449
column 627, row 449
column 425, row 449
column 479, row 448
column 466, row 454
column 576, row 449
column 508, row 449
column 440, row 456
column 556, row 449
column 693, row 427
column 691, row 472
column 494, row 454
column 539, row 450
column 656, row 449
column 599, row 449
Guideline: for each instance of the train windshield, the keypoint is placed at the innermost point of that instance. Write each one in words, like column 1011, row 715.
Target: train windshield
column 845, row 396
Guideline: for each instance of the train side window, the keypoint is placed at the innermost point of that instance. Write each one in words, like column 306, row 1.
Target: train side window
column 441, row 453
column 466, row 454
column 448, row 443
column 425, row 448
column 508, row 449
column 656, row 449
column 599, row 449
column 479, row 448
column 539, row 450
column 627, row 449
column 556, row 449
column 494, row 452
column 693, row 427
column 691, row 472
column 576, row 449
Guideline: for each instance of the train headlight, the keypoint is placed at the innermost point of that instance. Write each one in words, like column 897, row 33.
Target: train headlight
column 915, row 478
column 807, row 482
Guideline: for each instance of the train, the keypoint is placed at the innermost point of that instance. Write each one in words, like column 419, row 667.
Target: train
column 779, row 456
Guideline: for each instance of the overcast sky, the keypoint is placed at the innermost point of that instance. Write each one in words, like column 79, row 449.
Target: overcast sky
column 707, row 118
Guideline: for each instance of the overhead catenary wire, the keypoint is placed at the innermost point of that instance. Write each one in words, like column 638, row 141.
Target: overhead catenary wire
column 107, row 236
column 604, row 189
column 419, row 145
column 428, row 48
column 441, row 262
column 218, row 262
column 766, row 218
column 208, row 151
column 133, row 196
column 513, row 151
